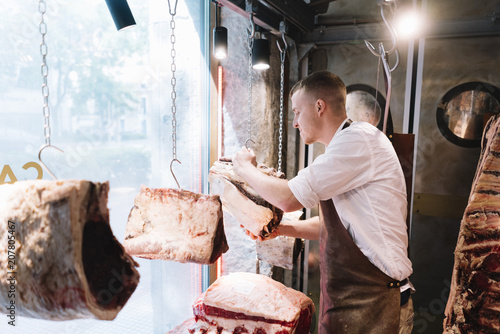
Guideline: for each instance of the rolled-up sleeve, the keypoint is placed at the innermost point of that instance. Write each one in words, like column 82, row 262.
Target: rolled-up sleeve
column 302, row 189
column 345, row 165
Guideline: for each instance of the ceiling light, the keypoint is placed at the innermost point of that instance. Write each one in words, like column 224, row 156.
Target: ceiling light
column 261, row 52
column 409, row 25
column 220, row 42
column 121, row 14
column 219, row 39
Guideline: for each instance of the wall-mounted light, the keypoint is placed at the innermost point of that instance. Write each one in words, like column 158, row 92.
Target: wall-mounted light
column 220, row 42
column 219, row 39
column 121, row 14
column 261, row 52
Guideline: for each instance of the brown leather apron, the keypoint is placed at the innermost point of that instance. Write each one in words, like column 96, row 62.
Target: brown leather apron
column 356, row 297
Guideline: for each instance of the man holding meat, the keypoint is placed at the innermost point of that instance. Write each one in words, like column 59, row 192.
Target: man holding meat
column 360, row 187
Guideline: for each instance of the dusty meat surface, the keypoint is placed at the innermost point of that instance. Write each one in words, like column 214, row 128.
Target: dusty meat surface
column 474, row 300
column 66, row 255
column 241, row 201
column 176, row 225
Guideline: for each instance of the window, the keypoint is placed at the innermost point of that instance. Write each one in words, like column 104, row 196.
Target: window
column 110, row 103
column 463, row 112
column 364, row 103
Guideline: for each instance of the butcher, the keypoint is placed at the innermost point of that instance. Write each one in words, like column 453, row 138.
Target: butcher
column 359, row 184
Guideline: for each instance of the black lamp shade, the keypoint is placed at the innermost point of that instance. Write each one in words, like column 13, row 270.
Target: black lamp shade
column 120, row 11
column 261, row 52
column 220, row 42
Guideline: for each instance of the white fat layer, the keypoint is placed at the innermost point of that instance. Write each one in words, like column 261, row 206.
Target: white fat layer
column 254, row 217
column 172, row 227
column 270, row 299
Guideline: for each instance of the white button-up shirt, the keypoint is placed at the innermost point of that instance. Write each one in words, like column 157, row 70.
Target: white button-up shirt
column 361, row 172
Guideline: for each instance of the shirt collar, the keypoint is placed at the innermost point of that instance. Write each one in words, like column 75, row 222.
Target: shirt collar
column 340, row 128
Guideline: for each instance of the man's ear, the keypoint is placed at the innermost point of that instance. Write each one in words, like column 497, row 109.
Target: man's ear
column 320, row 106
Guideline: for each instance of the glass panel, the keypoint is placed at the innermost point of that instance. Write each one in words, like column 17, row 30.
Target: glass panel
column 464, row 110
column 110, row 104
column 467, row 113
column 362, row 106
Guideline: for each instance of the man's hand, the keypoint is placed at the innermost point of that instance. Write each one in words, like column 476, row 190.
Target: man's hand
column 244, row 158
column 254, row 237
column 302, row 229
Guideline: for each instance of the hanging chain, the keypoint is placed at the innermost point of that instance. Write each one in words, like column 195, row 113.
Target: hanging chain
column 250, row 77
column 282, row 90
column 173, row 95
column 173, row 80
column 42, row 8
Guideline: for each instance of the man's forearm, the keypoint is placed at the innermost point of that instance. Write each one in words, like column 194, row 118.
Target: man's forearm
column 272, row 189
column 302, row 229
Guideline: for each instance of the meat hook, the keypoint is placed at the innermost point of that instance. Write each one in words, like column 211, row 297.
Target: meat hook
column 172, row 12
column 249, row 140
column 249, row 8
column 384, row 56
column 42, row 163
column 283, row 30
column 172, row 171
column 251, row 31
column 394, row 35
column 389, row 85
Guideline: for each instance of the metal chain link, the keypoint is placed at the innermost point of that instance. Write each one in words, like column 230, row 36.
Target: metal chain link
column 173, row 95
column 250, row 78
column 42, row 8
column 282, row 89
column 173, row 80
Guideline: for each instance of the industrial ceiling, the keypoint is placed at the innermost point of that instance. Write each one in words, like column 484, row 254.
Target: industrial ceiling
column 335, row 21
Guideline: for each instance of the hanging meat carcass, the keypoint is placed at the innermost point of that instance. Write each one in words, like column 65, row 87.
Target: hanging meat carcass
column 474, row 300
column 177, row 225
column 59, row 259
column 241, row 201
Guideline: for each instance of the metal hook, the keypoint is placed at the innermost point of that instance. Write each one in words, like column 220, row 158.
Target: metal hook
column 250, row 9
column 284, row 42
column 371, row 48
column 388, row 75
column 283, row 29
column 251, row 32
column 384, row 56
column 172, row 171
column 393, row 32
column 170, row 8
column 246, row 143
column 397, row 61
column 282, row 51
column 42, row 163
column 394, row 37
column 282, row 24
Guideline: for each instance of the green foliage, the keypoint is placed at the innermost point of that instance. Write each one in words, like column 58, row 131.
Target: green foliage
column 86, row 55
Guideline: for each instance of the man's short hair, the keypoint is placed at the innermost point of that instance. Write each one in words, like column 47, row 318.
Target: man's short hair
column 323, row 85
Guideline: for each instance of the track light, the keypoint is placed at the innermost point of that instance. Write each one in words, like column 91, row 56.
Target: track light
column 121, row 14
column 261, row 52
column 219, row 39
column 220, row 42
